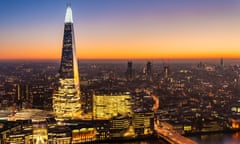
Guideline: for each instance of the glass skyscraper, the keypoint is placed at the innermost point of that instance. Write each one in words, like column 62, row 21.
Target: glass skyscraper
column 66, row 99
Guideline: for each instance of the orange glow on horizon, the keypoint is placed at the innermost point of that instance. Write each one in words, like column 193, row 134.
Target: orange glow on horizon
column 54, row 52
column 54, row 56
column 124, row 48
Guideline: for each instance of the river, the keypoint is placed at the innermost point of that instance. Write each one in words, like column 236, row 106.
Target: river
column 218, row 138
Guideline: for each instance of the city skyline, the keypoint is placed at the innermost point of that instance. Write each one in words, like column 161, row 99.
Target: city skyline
column 126, row 29
column 139, row 101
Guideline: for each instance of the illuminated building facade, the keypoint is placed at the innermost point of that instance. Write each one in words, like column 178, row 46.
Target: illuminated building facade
column 235, row 109
column 83, row 135
column 143, row 123
column 66, row 99
column 40, row 134
column 59, row 135
column 19, row 137
column 17, row 133
column 108, row 106
column 103, row 129
column 119, row 126
column 23, row 99
column 235, row 112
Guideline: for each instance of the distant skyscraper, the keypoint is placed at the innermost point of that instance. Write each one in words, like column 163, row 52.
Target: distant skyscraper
column 66, row 99
column 222, row 62
column 23, row 99
column 166, row 71
column 129, row 72
column 149, row 71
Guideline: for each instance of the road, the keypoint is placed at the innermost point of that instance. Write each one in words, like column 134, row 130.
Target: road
column 165, row 132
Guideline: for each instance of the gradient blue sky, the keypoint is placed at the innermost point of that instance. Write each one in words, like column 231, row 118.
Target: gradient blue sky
column 128, row 29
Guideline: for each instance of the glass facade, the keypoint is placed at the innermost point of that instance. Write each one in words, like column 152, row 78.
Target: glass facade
column 108, row 106
column 66, row 99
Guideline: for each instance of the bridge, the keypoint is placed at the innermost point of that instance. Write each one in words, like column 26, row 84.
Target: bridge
column 171, row 136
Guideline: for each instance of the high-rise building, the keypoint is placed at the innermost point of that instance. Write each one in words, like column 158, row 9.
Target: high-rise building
column 166, row 71
column 66, row 99
column 149, row 71
column 23, row 99
column 221, row 62
column 109, row 106
column 129, row 72
column 39, row 93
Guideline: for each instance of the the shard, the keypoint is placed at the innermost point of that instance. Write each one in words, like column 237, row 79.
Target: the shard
column 66, row 99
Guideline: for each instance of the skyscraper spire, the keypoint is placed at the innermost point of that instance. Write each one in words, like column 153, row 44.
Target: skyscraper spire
column 66, row 100
column 68, row 16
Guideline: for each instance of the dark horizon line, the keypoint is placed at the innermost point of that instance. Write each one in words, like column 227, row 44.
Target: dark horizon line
column 169, row 60
column 123, row 59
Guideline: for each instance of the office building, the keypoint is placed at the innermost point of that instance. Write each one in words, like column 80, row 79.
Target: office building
column 166, row 71
column 23, row 99
column 119, row 127
column 129, row 72
column 143, row 123
column 108, row 106
column 149, row 71
column 66, row 99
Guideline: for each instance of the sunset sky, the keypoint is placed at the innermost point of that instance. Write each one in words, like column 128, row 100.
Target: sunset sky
column 121, row 29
